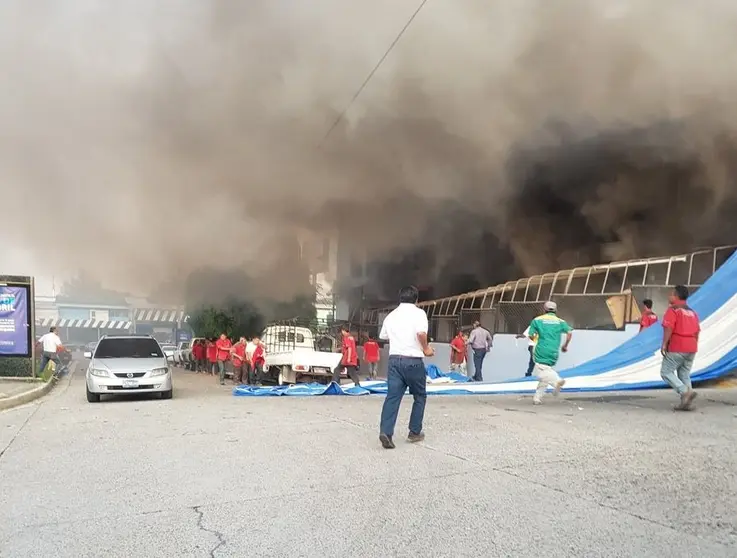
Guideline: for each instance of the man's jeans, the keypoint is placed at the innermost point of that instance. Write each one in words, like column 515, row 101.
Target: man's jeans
column 221, row 370
column 478, row 364
column 676, row 371
column 45, row 358
column 531, row 364
column 403, row 373
column 373, row 368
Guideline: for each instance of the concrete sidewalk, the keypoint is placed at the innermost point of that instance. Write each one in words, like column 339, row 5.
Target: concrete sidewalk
column 13, row 387
column 19, row 391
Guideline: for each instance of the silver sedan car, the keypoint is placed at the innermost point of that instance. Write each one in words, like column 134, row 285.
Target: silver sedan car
column 124, row 365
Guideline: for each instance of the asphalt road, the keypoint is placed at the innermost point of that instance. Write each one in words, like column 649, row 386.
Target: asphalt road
column 208, row 474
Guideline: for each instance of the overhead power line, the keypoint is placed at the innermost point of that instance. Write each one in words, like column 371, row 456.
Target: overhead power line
column 373, row 71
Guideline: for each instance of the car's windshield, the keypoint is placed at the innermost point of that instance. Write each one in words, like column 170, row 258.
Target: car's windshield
column 128, row 348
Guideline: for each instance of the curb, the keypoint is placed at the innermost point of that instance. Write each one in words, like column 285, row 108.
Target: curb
column 27, row 396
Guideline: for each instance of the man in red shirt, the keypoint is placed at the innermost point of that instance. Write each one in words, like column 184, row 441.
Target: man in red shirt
column 256, row 370
column 371, row 356
column 458, row 353
column 350, row 358
column 223, row 346
column 211, row 352
column 198, row 354
column 648, row 316
column 680, row 343
column 238, row 356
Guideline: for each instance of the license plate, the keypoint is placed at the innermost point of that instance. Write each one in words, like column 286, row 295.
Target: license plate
column 321, row 370
column 130, row 383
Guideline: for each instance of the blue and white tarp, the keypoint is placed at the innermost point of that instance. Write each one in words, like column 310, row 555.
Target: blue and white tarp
column 447, row 380
column 633, row 365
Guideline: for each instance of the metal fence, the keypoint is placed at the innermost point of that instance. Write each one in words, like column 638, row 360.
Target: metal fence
column 594, row 297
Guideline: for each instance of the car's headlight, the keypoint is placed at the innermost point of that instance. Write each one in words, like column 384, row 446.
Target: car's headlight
column 100, row 373
column 159, row 371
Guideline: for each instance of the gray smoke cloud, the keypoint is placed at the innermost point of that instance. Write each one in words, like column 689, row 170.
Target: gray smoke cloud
column 152, row 138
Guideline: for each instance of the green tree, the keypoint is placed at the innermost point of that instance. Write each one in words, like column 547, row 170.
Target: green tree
column 234, row 318
column 237, row 304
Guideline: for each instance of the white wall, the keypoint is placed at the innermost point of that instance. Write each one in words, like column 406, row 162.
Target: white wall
column 509, row 357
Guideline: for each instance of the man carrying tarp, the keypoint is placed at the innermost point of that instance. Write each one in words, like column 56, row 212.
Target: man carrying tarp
column 681, row 330
column 546, row 330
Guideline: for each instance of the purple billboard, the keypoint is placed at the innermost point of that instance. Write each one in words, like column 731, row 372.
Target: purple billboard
column 14, row 326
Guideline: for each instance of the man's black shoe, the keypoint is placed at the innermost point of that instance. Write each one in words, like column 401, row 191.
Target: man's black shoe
column 414, row 438
column 386, row 441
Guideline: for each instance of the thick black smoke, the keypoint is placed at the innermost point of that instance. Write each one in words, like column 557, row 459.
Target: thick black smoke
column 143, row 140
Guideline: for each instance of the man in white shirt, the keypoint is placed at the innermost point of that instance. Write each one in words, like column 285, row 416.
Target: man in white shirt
column 530, row 348
column 406, row 329
column 50, row 346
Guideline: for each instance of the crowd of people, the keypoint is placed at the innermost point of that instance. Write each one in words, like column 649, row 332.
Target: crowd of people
column 679, row 346
column 214, row 356
column 247, row 358
column 406, row 330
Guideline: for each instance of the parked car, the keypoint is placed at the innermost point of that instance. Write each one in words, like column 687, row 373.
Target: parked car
column 169, row 351
column 123, row 365
column 186, row 353
column 181, row 353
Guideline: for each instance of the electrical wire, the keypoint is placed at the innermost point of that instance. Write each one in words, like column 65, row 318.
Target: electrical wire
column 373, row 71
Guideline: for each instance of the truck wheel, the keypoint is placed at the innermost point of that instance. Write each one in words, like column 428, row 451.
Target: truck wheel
column 280, row 379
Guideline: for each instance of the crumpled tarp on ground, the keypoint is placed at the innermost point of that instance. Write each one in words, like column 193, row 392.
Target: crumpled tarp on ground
column 434, row 374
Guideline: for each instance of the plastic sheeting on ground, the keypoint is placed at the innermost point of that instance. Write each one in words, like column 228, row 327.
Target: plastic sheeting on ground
column 633, row 365
column 436, row 378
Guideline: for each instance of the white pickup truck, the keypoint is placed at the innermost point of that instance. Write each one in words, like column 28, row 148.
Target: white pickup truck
column 292, row 355
column 182, row 353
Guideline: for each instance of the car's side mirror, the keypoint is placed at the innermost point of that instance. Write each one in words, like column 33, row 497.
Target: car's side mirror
column 87, row 354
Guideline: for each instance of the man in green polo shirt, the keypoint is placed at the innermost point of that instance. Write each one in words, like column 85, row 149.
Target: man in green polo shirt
column 548, row 328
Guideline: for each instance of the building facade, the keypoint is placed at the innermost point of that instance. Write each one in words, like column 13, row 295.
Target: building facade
column 85, row 321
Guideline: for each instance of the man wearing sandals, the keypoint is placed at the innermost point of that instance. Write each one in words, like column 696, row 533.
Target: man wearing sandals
column 680, row 343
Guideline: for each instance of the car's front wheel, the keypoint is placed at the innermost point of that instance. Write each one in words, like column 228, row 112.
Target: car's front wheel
column 92, row 397
column 166, row 394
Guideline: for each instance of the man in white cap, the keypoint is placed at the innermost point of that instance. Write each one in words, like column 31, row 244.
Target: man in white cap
column 547, row 329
